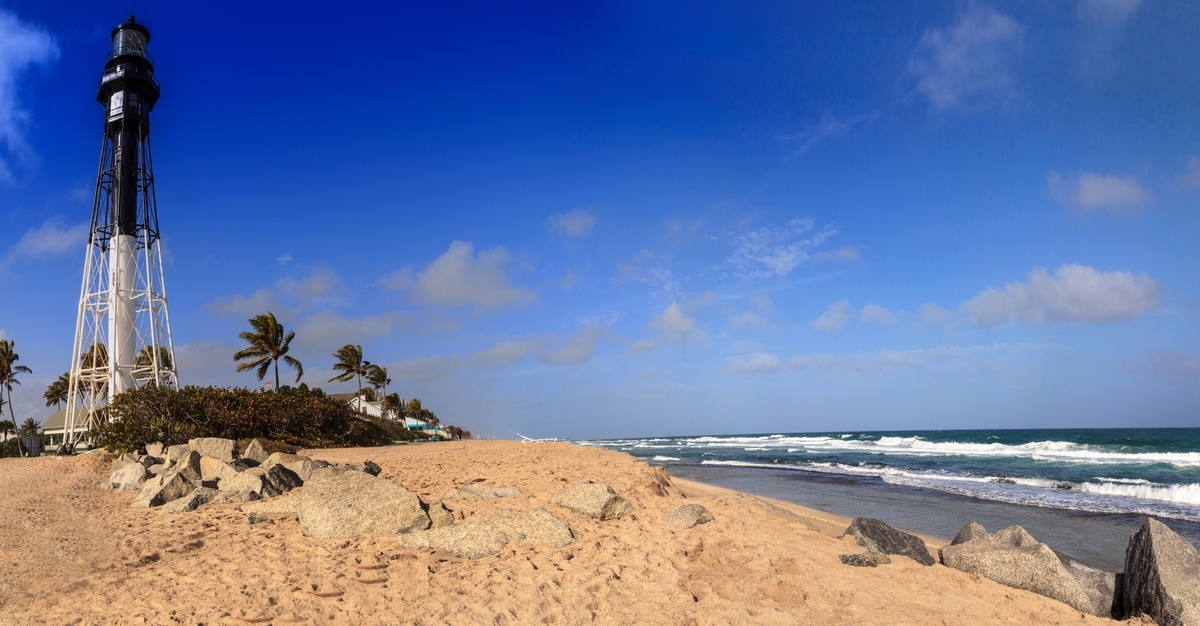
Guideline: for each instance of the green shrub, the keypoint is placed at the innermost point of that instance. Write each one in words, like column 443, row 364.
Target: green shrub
column 300, row 418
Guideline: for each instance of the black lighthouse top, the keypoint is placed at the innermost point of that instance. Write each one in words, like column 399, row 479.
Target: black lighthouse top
column 128, row 88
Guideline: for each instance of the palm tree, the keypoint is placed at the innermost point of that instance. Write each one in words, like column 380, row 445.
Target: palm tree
column 96, row 357
column 378, row 379
column 6, row 426
column 29, row 427
column 267, row 346
column 350, row 364
column 8, row 375
column 145, row 357
column 394, row 403
column 57, row 392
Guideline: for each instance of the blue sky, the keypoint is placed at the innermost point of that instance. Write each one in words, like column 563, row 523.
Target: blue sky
column 617, row 219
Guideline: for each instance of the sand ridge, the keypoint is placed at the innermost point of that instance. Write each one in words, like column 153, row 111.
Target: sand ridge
column 74, row 554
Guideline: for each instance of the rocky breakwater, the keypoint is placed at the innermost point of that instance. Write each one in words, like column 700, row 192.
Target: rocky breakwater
column 211, row 470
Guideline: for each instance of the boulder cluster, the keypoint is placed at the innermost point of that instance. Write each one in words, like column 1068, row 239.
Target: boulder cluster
column 210, row 470
column 1161, row 578
column 342, row 501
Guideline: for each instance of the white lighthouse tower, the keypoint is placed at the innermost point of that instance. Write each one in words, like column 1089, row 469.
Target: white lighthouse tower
column 122, row 332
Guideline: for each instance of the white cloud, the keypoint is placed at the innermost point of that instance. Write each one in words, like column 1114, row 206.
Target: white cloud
column 880, row 359
column 438, row 367
column 573, row 223
column 643, row 268
column 762, row 306
column 876, row 313
column 47, row 240
column 934, row 315
column 755, row 363
column 1087, row 192
column 835, row 317
column 675, row 325
column 284, row 258
column 1190, row 178
column 569, row 280
column 324, row 331
column 642, row 346
column 968, row 63
column 771, row 252
column 1075, row 293
column 681, row 230
column 576, row 349
column 22, row 46
column 1109, row 11
column 460, row 278
column 288, row 298
column 845, row 253
column 1169, row 366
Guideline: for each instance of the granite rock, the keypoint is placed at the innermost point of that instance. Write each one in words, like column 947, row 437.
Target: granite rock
column 595, row 500
column 255, row 454
column 215, row 447
column 354, row 503
column 1014, row 558
column 688, row 516
column 198, row 496
column 128, row 477
column 888, row 540
column 1162, row 577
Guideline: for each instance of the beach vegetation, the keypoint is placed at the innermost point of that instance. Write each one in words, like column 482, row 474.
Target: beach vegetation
column 350, row 364
column 8, row 376
column 268, row 345
column 56, row 393
column 305, row 419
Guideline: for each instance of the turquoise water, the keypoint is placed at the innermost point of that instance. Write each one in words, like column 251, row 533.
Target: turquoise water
column 1082, row 491
column 1150, row 471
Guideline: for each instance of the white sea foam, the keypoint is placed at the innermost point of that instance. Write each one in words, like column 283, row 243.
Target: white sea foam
column 1056, row 451
column 1088, row 496
column 664, row 458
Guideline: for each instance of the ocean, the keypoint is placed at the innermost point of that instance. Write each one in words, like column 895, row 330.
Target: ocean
column 1081, row 491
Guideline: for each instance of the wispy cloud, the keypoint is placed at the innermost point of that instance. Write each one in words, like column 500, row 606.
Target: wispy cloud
column 1075, row 293
column 22, row 46
column 828, row 126
column 1168, row 366
column 776, row 251
column 1190, row 178
column 968, row 63
column 573, row 223
column 647, row 267
column 756, row 363
column 834, row 318
column 1109, row 11
column 48, row 240
column 877, row 314
column 934, row 315
column 1087, row 192
column 460, row 278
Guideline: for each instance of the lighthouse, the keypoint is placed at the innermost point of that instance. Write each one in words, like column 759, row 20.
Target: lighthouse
column 122, row 331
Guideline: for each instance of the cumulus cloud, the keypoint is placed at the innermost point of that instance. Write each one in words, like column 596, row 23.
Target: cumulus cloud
column 324, row 331
column 642, row 346
column 756, row 363
column 460, row 278
column 675, row 325
column 1087, row 192
column 1190, row 178
column 835, row 317
column 573, row 223
column 578, row 348
column 22, row 46
column 968, row 63
column 934, row 315
column 775, row 252
column 1109, row 11
column 49, row 239
column 876, row 313
column 1169, row 366
column 288, row 297
column 1075, row 293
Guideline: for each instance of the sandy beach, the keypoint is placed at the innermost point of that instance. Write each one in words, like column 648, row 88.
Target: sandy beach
column 71, row 553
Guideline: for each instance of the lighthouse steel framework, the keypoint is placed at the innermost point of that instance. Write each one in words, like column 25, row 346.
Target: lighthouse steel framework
column 122, row 332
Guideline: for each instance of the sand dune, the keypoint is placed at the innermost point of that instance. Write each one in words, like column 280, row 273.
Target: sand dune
column 71, row 553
